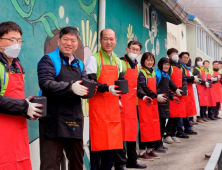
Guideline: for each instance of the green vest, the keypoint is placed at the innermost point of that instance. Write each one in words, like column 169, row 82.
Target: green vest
column 124, row 67
column 146, row 72
column 106, row 61
column 208, row 71
column 4, row 79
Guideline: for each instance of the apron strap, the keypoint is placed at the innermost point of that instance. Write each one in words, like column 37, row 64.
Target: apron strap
column 18, row 66
column 127, row 63
column 101, row 56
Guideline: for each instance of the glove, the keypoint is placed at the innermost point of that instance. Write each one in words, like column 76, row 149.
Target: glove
column 33, row 109
column 214, row 78
column 79, row 89
column 197, row 80
column 218, row 76
column 161, row 98
column 176, row 99
column 148, row 100
column 178, row 92
column 120, row 106
column 207, row 84
column 113, row 91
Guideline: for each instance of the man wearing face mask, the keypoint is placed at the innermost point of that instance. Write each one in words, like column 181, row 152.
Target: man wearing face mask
column 129, row 108
column 14, row 109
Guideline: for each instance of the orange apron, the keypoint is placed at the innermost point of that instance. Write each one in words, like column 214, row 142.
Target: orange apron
column 190, row 101
column 149, row 116
column 217, row 88
column 177, row 110
column 14, row 143
column 211, row 94
column 104, row 114
column 129, row 115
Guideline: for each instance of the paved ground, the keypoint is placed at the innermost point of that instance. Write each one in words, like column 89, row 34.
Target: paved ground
column 189, row 154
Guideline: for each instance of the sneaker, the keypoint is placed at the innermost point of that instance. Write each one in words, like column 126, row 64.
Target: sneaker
column 160, row 150
column 164, row 147
column 175, row 139
column 168, row 140
column 145, row 157
column 179, row 135
column 152, row 154
column 205, row 120
column 190, row 132
column 200, row 120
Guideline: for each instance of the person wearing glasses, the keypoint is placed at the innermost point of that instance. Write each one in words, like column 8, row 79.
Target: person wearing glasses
column 59, row 76
column 14, row 109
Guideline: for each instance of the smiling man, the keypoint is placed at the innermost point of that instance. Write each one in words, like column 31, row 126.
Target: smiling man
column 59, row 75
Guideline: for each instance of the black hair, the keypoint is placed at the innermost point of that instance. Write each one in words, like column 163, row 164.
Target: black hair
column 206, row 61
column 220, row 62
column 101, row 33
column 172, row 50
column 181, row 54
column 197, row 59
column 6, row 27
column 145, row 56
column 135, row 43
column 189, row 63
column 162, row 61
column 69, row 29
column 215, row 62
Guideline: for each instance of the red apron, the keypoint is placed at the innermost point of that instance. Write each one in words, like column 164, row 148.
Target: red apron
column 149, row 116
column 104, row 114
column 211, row 94
column 14, row 143
column 202, row 91
column 129, row 115
column 190, row 100
column 217, row 88
column 177, row 110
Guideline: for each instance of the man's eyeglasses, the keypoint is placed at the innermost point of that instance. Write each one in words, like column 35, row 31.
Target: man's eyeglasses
column 14, row 41
column 137, row 50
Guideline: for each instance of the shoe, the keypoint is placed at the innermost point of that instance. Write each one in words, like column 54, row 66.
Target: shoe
column 179, row 135
column 217, row 117
column 190, row 132
column 195, row 123
column 205, row 120
column 137, row 166
column 192, row 123
column 145, row 157
column 164, row 147
column 175, row 139
column 212, row 118
column 122, row 168
column 152, row 154
column 160, row 150
column 200, row 120
column 168, row 140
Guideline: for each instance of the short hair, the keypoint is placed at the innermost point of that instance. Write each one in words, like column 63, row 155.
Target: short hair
column 220, row 62
column 162, row 61
column 189, row 63
column 206, row 61
column 181, row 54
column 172, row 50
column 135, row 43
column 145, row 56
column 69, row 29
column 6, row 27
column 101, row 33
column 215, row 62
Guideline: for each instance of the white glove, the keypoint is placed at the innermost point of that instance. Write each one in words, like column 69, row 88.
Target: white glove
column 161, row 99
column 214, row 79
column 207, row 84
column 79, row 89
column 197, row 80
column 218, row 76
column 33, row 109
column 178, row 92
column 113, row 91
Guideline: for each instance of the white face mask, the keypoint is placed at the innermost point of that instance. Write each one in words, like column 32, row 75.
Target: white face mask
column 133, row 56
column 175, row 58
column 199, row 63
column 12, row 51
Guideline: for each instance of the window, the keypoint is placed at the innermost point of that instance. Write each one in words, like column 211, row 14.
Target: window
column 146, row 15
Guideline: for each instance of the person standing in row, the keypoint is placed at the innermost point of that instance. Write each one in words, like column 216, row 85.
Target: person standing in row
column 105, row 67
column 129, row 110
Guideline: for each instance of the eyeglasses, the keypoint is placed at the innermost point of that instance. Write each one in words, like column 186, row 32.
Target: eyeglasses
column 186, row 58
column 14, row 41
column 137, row 50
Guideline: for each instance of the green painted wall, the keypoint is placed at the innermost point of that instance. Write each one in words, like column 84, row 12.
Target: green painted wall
column 119, row 14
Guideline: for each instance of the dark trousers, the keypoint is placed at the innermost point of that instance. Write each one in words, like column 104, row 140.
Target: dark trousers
column 102, row 160
column 51, row 152
column 162, row 128
column 144, row 145
column 183, row 122
column 171, row 126
column 121, row 160
column 210, row 111
column 203, row 110
column 216, row 109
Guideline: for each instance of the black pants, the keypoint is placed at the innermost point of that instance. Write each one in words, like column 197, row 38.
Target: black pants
column 203, row 110
column 210, row 111
column 171, row 126
column 51, row 152
column 162, row 128
column 121, row 160
column 102, row 160
column 216, row 109
column 144, row 145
